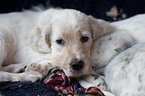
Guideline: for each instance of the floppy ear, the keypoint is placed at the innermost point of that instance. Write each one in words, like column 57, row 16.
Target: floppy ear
column 39, row 39
column 100, row 27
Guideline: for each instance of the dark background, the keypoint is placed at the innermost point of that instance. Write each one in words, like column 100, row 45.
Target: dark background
column 97, row 8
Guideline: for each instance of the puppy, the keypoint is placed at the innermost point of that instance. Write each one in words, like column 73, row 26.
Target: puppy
column 120, row 57
column 33, row 42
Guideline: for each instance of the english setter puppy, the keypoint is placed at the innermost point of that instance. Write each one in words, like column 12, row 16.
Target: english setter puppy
column 33, row 42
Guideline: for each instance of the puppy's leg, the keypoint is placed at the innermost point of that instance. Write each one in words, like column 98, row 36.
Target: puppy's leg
column 6, row 76
column 15, row 68
column 97, row 80
column 87, row 84
column 125, row 74
column 32, row 72
column 42, row 67
column 25, row 76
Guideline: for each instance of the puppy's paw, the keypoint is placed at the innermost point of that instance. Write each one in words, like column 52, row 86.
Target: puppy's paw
column 96, row 80
column 33, row 77
column 41, row 67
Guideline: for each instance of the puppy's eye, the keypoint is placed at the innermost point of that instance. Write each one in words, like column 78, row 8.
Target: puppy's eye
column 84, row 39
column 60, row 41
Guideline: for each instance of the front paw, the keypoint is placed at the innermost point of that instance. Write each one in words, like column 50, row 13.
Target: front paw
column 96, row 80
column 42, row 67
column 33, row 77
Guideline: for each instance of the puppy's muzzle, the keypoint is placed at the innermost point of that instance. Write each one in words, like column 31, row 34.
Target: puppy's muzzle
column 77, row 65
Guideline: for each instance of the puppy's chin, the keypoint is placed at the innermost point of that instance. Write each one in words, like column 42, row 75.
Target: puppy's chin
column 76, row 74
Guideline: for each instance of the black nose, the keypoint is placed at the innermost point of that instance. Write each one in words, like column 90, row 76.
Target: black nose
column 77, row 65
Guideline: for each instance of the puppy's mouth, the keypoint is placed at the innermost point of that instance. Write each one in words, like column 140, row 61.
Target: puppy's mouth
column 77, row 74
column 76, row 68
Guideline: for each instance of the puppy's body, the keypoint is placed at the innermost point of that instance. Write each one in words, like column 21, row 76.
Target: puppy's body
column 14, row 32
column 120, row 55
column 128, row 33
column 125, row 73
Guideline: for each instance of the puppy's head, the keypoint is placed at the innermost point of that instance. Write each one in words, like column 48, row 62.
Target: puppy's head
column 68, row 36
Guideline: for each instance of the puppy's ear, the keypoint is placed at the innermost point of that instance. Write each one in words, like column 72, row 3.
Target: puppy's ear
column 99, row 27
column 39, row 40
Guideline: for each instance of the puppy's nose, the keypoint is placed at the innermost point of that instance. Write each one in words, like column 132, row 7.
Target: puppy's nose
column 77, row 65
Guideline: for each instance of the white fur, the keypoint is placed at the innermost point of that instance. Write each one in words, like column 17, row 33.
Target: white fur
column 28, row 42
column 120, row 56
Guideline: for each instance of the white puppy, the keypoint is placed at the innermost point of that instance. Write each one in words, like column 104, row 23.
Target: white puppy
column 120, row 55
column 34, row 42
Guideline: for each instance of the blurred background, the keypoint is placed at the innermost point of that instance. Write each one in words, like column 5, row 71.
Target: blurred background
column 109, row 10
